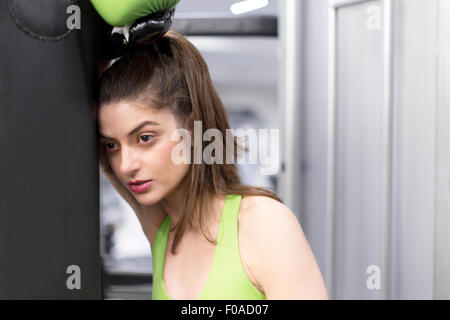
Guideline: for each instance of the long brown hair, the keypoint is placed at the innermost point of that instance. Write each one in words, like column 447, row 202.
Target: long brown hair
column 171, row 74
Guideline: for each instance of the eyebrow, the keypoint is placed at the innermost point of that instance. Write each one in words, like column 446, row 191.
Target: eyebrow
column 143, row 124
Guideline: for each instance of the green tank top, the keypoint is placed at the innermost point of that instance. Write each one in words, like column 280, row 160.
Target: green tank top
column 227, row 279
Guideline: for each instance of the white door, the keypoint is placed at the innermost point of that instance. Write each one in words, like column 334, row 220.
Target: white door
column 388, row 198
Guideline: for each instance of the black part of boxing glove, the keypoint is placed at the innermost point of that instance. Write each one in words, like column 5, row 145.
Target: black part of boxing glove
column 148, row 29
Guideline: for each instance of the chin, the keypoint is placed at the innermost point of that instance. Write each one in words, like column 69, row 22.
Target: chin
column 148, row 198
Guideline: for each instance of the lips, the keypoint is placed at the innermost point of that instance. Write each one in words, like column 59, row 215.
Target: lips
column 138, row 181
column 140, row 186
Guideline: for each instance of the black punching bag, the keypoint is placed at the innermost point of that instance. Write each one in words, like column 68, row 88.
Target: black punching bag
column 49, row 200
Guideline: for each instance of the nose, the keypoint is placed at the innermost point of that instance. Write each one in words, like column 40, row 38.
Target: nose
column 129, row 161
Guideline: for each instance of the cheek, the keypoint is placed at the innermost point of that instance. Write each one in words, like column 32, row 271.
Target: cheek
column 165, row 158
column 162, row 158
column 167, row 151
column 176, row 170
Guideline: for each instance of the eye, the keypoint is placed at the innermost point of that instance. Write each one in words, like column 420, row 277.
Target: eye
column 145, row 138
column 108, row 145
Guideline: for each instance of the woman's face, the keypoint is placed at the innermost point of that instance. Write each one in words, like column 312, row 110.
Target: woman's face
column 138, row 151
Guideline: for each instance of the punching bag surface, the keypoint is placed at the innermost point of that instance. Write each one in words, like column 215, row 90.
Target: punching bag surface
column 49, row 201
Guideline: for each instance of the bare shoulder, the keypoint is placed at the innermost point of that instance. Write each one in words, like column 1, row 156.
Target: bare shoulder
column 266, row 223
column 262, row 211
column 277, row 251
column 250, row 203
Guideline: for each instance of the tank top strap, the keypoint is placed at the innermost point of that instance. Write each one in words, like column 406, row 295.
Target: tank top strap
column 158, row 257
column 228, row 231
column 227, row 271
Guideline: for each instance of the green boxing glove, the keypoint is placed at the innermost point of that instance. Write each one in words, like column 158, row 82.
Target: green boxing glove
column 121, row 13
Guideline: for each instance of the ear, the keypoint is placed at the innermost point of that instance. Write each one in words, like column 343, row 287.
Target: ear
column 189, row 125
column 188, row 121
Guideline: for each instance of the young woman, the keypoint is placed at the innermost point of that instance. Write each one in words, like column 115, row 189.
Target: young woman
column 211, row 237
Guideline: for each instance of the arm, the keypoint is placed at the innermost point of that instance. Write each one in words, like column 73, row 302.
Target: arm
column 279, row 254
column 149, row 217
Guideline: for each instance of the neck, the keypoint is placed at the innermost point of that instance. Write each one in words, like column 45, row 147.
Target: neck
column 175, row 208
